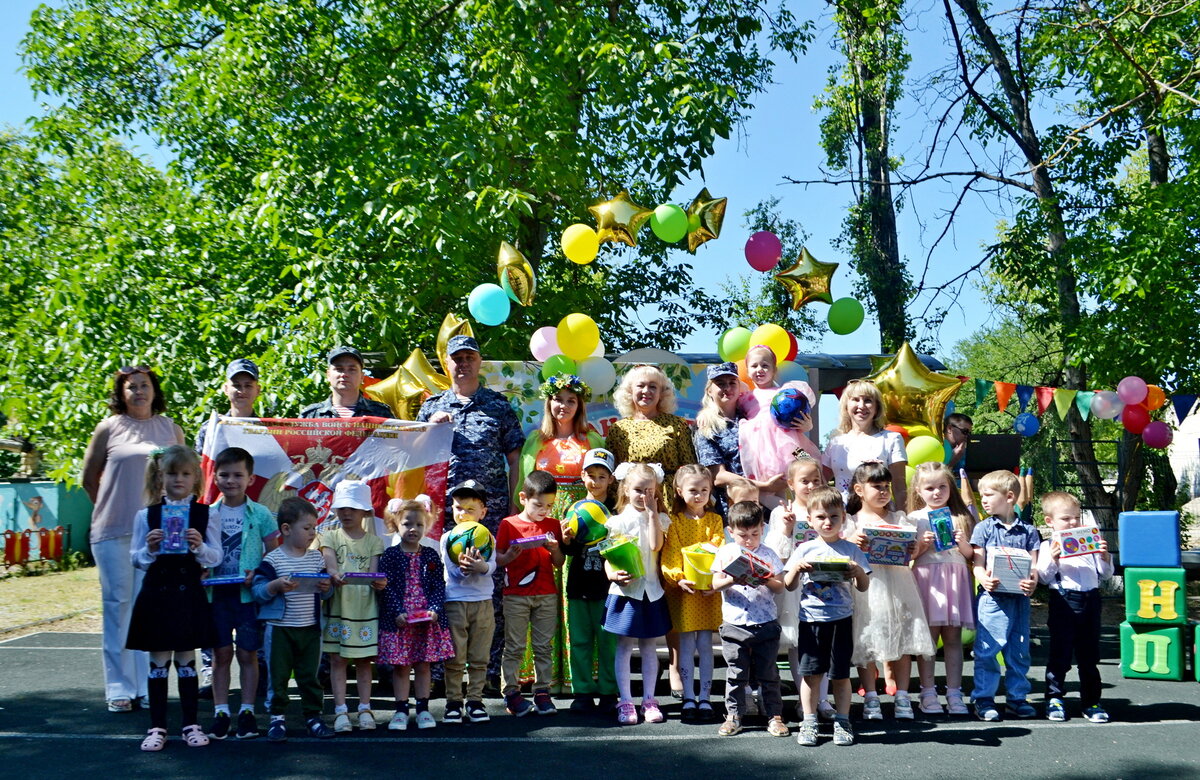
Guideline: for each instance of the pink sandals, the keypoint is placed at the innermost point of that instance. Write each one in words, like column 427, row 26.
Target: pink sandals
column 194, row 736
column 155, row 740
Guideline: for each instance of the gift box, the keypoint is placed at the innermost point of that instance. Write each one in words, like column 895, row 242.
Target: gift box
column 750, row 566
column 1010, row 565
column 889, row 545
column 834, row 569
column 1078, row 541
column 941, row 522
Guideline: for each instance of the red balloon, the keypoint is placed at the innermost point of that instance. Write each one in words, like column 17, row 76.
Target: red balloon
column 1135, row 418
column 900, row 429
column 794, row 349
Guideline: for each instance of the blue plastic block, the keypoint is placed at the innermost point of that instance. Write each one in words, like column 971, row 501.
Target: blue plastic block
column 1149, row 539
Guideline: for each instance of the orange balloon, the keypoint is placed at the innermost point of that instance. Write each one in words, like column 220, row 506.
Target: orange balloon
column 1155, row 397
column 743, row 375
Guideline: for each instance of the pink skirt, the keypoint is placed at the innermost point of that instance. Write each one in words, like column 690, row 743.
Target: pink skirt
column 415, row 643
column 945, row 590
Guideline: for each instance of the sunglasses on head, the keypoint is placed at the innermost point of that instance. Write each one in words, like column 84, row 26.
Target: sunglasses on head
column 127, row 370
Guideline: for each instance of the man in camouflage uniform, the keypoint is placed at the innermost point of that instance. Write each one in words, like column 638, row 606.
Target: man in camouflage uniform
column 487, row 442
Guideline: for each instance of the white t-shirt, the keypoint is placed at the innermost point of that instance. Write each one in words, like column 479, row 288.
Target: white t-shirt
column 848, row 451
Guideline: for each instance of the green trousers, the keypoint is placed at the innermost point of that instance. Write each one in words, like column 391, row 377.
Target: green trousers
column 592, row 648
column 295, row 650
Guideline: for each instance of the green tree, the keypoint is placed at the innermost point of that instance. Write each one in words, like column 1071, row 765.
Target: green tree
column 856, row 133
column 345, row 170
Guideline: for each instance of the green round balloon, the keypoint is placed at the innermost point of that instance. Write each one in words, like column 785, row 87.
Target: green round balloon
column 557, row 364
column 845, row 315
column 734, row 344
column 669, row 222
column 923, row 449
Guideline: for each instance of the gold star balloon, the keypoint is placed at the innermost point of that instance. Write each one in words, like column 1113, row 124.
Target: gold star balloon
column 705, row 216
column 807, row 279
column 619, row 219
column 912, row 394
column 402, row 392
column 516, row 274
column 419, row 366
column 451, row 326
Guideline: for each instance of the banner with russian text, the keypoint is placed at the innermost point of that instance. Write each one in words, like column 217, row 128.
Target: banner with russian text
column 308, row 457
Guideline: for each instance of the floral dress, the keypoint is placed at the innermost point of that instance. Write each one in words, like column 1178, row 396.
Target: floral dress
column 412, row 643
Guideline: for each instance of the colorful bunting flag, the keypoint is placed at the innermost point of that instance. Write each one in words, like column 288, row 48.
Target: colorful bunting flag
column 1183, row 406
column 1083, row 402
column 1044, row 396
column 1024, row 395
column 1004, row 393
column 1062, row 401
column 981, row 391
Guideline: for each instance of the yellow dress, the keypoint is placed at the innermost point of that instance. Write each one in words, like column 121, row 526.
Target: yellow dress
column 690, row 611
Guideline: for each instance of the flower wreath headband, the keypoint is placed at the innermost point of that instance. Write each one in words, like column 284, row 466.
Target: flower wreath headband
column 559, row 382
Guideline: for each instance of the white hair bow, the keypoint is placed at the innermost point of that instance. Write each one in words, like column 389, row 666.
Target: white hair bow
column 622, row 470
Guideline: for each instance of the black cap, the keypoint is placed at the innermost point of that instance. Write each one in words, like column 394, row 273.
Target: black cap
column 468, row 488
column 337, row 352
column 241, row 366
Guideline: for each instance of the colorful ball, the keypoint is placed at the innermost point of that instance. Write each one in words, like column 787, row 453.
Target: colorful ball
column 470, row 535
column 588, row 520
column 787, row 405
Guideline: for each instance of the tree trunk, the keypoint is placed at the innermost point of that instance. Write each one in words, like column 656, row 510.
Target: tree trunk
column 1022, row 132
column 876, row 242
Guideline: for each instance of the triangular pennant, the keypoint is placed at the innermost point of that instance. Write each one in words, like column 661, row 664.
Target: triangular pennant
column 1024, row 395
column 1183, row 406
column 1062, row 401
column 1044, row 396
column 1083, row 402
column 981, row 391
column 1004, row 393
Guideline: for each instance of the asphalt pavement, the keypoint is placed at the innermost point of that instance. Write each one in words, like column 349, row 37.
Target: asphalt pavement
column 53, row 724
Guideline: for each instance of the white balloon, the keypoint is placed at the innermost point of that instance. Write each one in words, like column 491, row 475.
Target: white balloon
column 599, row 350
column 598, row 374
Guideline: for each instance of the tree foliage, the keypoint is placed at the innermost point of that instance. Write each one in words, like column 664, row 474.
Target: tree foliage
column 345, row 170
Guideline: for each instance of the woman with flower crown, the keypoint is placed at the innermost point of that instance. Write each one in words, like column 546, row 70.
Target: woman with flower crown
column 557, row 447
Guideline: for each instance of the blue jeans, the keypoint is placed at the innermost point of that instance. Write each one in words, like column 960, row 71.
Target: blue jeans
column 1002, row 625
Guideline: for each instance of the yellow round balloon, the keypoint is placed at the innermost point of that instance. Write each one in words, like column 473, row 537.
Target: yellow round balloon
column 773, row 336
column 578, row 336
column 580, row 244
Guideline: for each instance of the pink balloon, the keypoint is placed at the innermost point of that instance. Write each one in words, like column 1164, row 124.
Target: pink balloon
column 763, row 250
column 544, row 343
column 1157, row 435
column 1132, row 390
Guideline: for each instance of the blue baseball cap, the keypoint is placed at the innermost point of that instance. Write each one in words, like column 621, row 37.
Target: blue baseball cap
column 337, row 352
column 241, row 366
column 721, row 369
column 459, row 343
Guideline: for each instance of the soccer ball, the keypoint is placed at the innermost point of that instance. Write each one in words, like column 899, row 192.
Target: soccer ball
column 469, row 535
column 787, row 405
column 587, row 519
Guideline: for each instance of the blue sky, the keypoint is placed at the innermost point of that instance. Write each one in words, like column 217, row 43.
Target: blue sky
column 779, row 140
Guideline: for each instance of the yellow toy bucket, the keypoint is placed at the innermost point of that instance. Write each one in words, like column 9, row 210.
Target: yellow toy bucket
column 624, row 554
column 697, row 565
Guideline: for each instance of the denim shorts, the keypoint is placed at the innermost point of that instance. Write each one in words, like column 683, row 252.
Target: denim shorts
column 231, row 615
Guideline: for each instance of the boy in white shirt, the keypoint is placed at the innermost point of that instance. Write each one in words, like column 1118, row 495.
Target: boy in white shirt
column 1074, row 619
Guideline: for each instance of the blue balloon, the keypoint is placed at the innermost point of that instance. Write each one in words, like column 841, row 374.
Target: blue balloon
column 790, row 371
column 1027, row 424
column 488, row 304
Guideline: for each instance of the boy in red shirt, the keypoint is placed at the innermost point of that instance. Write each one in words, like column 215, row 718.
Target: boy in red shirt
column 531, row 601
